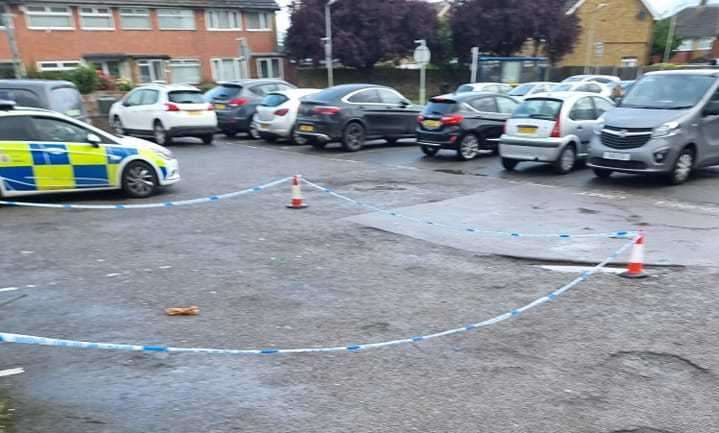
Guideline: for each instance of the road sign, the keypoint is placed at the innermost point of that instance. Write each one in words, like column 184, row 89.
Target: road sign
column 422, row 55
column 599, row 49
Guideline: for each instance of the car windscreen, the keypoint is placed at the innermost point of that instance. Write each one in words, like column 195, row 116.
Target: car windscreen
column 540, row 108
column 186, row 97
column 274, row 99
column 440, row 108
column 521, row 90
column 66, row 100
column 22, row 97
column 668, row 92
column 465, row 88
column 222, row 92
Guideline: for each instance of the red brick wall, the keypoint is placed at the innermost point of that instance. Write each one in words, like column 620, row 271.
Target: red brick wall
column 41, row 45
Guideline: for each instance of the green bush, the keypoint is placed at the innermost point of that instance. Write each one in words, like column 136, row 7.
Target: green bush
column 84, row 77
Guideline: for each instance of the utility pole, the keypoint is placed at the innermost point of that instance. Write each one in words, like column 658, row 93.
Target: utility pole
column 329, row 60
column 475, row 65
column 670, row 39
column 422, row 57
column 7, row 21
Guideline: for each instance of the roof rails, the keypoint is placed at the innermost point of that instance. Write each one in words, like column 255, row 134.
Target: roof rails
column 7, row 105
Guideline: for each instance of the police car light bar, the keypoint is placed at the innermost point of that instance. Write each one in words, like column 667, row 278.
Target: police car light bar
column 6, row 105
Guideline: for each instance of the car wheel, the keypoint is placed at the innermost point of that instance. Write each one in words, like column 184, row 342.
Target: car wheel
column 468, row 147
column 208, row 139
column 682, row 167
column 139, row 180
column 509, row 164
column 602, row 173
column 117, row 127
column 254, row 132
column 429, row 150
column 162, row 137
column 353, row 137
column 318, row 144
column 297, row 139
column 566, row 160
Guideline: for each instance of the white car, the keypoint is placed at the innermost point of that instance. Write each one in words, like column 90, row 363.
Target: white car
column 163, row 112
column 585, row 86
column 529, row 89
column 276, row 115
column 602, row 79
column 484, row 87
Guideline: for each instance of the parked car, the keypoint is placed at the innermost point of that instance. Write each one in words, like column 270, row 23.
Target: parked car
column 276, row 115
column 528, row 89
column 42, row 151
column 236, row 102
column 354, row 113
column 585, row 86
column 603, row 79
column 55, row 95
column 164, row 112
column 666, row 124
column 484, row 87
column 554, row 127
column 463, row 123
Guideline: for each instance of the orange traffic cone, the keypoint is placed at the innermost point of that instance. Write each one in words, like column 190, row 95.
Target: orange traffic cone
column 636, row 261
column 297, row 201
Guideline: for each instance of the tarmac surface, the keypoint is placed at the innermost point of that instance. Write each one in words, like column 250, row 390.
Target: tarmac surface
column 611, row 355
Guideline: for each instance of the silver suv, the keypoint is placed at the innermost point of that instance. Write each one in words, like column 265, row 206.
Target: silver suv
column 667, row 124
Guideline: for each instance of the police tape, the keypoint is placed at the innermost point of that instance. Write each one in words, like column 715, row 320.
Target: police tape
column 167, row 204
column 42, row 341
column 514, row 234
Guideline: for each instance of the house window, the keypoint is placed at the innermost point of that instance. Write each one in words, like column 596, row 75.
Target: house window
column 49, row 17
column 3, row 16
column 186, row 71
column 110, row 68
column 270, row 68
column 135, row 19
column 151, row 70
column 226, row 69
column 686, row 45
column 258, row 21
column 705, row 44
column 96, row 18
column 630, row 62
column 223, row 20
column 61, row 65
column 176, row 19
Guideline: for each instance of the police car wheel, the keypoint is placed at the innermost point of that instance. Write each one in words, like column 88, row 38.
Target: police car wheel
column 162, row 137
column 139, row 180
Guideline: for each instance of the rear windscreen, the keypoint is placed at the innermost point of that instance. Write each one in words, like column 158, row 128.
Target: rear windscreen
column 547, row 109
column 223, row 93
column 186, row 97
column 274, row 99
column 440, row 108
column 66, row 100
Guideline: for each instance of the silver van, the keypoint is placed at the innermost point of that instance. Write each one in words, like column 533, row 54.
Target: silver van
column 666, row 124
column 55, row 95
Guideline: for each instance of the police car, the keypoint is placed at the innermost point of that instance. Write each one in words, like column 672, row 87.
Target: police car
column 42, row 151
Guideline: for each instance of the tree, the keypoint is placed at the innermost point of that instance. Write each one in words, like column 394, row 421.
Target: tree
column 364, row 31
column 661, row 33
column 553, row 29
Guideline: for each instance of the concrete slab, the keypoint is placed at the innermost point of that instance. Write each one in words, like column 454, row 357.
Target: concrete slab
column 674, row 237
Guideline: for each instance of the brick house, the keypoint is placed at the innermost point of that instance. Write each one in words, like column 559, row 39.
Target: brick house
column 186, row 41
column 698, row 28
column 624, row 27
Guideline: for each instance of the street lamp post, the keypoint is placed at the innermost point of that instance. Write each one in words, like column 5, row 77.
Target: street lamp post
column 328, row 42
column 590, row 37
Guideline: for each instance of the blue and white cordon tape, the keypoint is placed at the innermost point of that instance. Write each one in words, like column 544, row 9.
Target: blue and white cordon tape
column 167, row 204
column 41, row 341
column 616, row 235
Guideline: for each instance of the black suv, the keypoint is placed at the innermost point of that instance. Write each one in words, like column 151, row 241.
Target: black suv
column 354, row 113
column 464, row 122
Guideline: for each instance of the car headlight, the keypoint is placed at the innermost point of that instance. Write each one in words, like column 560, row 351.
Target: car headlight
column 165, row 154
column 666, row 130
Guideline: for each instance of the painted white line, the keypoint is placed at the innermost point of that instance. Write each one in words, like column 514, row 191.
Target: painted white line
column 11, row 372
column 579, row 269
column 9, row 289
column 113, row 275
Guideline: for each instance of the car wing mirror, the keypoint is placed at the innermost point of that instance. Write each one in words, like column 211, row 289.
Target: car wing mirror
column 94, row 139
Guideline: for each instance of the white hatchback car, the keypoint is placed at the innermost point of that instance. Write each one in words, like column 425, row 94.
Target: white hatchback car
column 163, row 112
column 276, row 115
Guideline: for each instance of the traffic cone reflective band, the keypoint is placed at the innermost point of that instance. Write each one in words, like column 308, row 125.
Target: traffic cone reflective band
column 636, row 261
column 297, row 201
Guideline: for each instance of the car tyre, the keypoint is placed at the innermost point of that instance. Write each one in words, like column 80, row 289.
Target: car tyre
column 602, row 173
column 117, row 127
column 139, row 179
column 683, row 166
column 566, row 161
column 208, row 139
column 429, row 150
column 468, row 147
column 353, row 137
column 509, row 164
column 162, row 136
column 297, row 139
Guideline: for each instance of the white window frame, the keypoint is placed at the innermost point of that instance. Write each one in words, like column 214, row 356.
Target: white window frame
column 48, row 13
column 177, row 29
column 134, row 13
column 267, row 24
column 192, row 62
column 62, row 66
column 702, row 41
column 150, row 63
column 686, row 45
column 216, row 64
column 208, row 20
column 96, row 14
column 269, row 60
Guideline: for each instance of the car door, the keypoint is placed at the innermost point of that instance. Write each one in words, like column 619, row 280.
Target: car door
column 372, row 110
column 709, row 131
column 149, row 109
column 484, row 117
column 16, row 158
column 63, row 158
column 582, row 119
column 402, row 115
column 131, row 107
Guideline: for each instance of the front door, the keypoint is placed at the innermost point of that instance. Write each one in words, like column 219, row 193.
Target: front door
column 401, row 115
column 583, row 118
column 372, row 110
column 710, row 134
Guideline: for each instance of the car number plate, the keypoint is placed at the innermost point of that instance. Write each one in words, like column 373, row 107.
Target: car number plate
column 431, row 124
column 263, row 126
column 220, row 106
column 617, row 156
column 307, row 128
column 527, row 129
column 194, row 113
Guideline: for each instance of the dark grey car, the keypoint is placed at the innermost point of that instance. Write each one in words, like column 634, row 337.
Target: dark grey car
column 56, row 95
column 236, row 102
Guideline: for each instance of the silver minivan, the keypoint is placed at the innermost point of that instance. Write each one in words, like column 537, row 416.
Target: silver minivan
column 666, row 124
column 552, row 127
